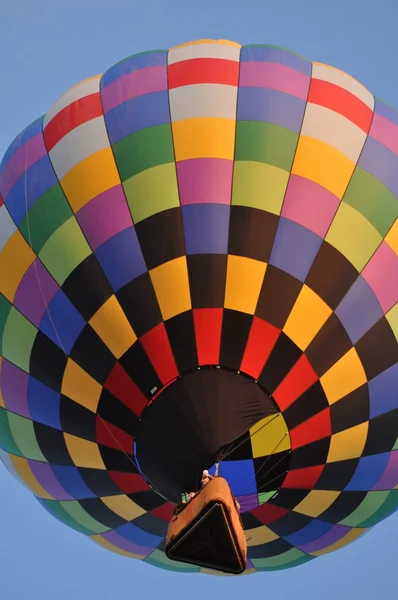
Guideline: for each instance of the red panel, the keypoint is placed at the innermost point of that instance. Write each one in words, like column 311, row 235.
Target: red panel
column 262, row 338
column 341, row 101
column 1, row 200
column 316, row 428
column 208, row 324
column 157, row 346
column 129, row 483
column 109, row 435
column 297, row 381
column 164, row 512
column 75, row 114
column 125, row 390
column 203, row 70
column 267, row 513
column 303, row 479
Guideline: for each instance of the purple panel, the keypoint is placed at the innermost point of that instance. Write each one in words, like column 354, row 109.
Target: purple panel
column 295, row 249
column 120, row 542
column 380, row 162
column 45, row 476
column 29, row 296
column 206, row 228
column 381, row 273
column 62, row 323
column 385, row 132
column 248, row 503
column 359, row 310
column 105, row 216
column 389, row 479
column 269, row 54
column 278, row 108
column 274, row 77
column 134, row 84
column 27, row 134
column 334, row 535
column 383, row 395
column 386, row 111
column 309, row 204
column 368, row 472
column 207, row 180
column 21, row 160
column 14, row 387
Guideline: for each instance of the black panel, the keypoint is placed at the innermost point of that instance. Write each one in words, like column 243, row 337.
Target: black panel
column 147, row 500
column 152, row 524
column 271, row 470
column 116, row 413
column 351, row 410
column 47, row 362
column 77, row 420
column 99, row 482
column 241, row 449
column 235, row 333
column 311, row 455
column 336, row 476
column 289, row 498
column 92, row 355
column 117, row 460
column 87, row 287
column 181, row 333
column 138, row 366
column 382, row 433
column 274, row 548
column 207, row 274
column 161, row 237
column 139, row 303
column 290, row 523
column 328, row 346
column 52, row 444
column 101, row 513
column 343, row 506
column 331, row 275
column 250, row 521
column 310, row 403
column 378, row 349
column 277, row 297
column 252, row 232
column 283, row 357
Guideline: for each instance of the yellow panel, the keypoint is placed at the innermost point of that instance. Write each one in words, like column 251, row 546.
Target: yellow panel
column 392, row 237
column 15, row 259
column 323, row 164
column 124, row 507
column 113, row 328
column 80, row 386
column 90, row 177
column 245, row 278
column 101, row 541
column 1, row 395
column 204, row 138
column 308, row 315
column 260, row 535
column 344, row 377
column 351, row 536
column 267, row 434
column 83, row 452
column 171, row 284
column 23, row 469
column 392, row 318
column 349, row 443
column 316, row 502
column 266, row 189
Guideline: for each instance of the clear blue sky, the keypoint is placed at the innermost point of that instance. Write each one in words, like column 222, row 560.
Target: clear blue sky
column 47, row 46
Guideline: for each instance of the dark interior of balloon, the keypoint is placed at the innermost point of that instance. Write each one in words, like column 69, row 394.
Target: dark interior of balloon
column 193, row 423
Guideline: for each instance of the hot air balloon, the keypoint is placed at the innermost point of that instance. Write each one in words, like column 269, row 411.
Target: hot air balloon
column 199, row 265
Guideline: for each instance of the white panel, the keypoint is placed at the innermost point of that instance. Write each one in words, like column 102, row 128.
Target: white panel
column 332, row 75
column 85, row 88
column 7, row 226
column 327, row 126
column 206, row 50
column 78, row 144
column 203, row 100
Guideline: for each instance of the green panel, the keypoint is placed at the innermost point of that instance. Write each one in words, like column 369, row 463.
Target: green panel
column 24, row 435
column 78, row 514
column 263, row 497
column 396, row 444
column 282, row 560
column 295, row 563
column 267, row 143
column 152, row 191
column 5, row 308
column 390, row 504
column 6, row 440
column 144, row 149
column 368, row 507
column 159, row 559
column 46, row 215
column 353, row 236
column 65, row 250
column 372, row 199
column 19, row 335
column 259, row 185
column 392, row 318
column 56, row 509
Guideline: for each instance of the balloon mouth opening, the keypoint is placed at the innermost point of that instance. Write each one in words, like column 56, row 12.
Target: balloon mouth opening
column 210, row 415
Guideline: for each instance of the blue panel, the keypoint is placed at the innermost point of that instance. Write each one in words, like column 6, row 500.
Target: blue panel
column 380, row 162
column 72, row 482
column 240, row 475
column 382, row 109
column 27, row 134
column 368, row 472
column 138, row 536
column 294, row 249
column 65, row 324
column 136, row 114
column 121, row 258
column 155, row 58
column 43, row 404
column 264, row 53
column 383, row 394
column 206, row 228
column 272, row 106
column 359, row 310
column 40, row 177
column 309, row 533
